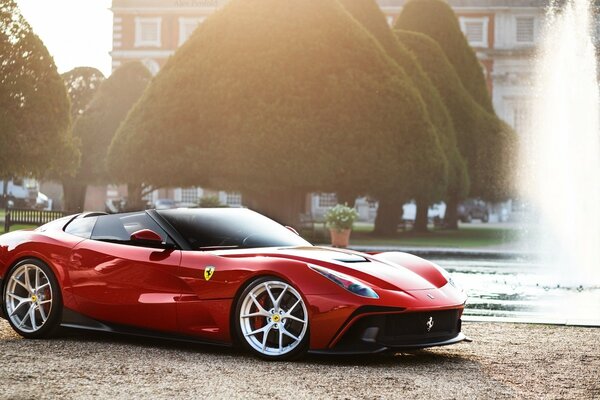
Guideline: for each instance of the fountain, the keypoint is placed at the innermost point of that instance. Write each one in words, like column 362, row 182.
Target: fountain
column 560, row 182
column 560, row 158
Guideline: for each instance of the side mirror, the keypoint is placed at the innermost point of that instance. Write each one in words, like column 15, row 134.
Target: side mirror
column 293, row 230
column 146, row 236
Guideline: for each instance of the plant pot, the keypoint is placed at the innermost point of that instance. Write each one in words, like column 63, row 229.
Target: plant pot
column 340, row 238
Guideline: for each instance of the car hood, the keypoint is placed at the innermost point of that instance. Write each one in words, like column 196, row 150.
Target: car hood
column 381, row 273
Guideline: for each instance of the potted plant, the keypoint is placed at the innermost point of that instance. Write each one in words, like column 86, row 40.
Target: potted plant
column 339, row 220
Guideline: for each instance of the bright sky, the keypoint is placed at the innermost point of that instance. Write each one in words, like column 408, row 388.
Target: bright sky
column 76, row 32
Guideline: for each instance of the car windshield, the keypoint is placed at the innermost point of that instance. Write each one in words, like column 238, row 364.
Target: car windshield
column 227, row 228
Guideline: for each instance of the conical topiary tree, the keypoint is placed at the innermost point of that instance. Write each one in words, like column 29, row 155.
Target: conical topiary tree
column 34, row 108
column 278, row 98
column 97, row 126
column 82, row 84
column 487, row 143
column 368, row 13
column 436, row 19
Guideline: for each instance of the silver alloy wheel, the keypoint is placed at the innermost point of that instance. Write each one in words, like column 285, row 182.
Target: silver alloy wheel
column 28, row 298
column 273, row 318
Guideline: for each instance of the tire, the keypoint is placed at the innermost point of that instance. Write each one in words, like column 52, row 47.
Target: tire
column 32, row 299
column 271, row 320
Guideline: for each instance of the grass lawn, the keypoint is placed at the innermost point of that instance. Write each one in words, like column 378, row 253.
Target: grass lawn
column 16, row 227
column 464, row 237
column 468, row 236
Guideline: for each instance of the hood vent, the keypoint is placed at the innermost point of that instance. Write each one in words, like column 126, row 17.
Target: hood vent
column 351, row 258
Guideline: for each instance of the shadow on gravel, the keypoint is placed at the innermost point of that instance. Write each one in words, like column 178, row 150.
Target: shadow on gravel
column 146, row 342
column 414, row 358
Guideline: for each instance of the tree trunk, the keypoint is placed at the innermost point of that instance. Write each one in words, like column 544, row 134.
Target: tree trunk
column 346, row 197
column 134, row 197
column 284, row 207
column 4, row 197
column 73, row 196
column 388, row 217
column 451, row 216
column 421, row 218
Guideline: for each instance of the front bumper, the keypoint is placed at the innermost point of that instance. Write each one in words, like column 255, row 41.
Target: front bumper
column 398, row 348
column 341, row 321
column 372, row 331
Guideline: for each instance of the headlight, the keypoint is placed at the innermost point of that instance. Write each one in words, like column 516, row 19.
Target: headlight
column 345, row 281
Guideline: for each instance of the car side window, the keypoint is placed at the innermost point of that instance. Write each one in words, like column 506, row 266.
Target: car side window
column 81, row 227
column 119, row 227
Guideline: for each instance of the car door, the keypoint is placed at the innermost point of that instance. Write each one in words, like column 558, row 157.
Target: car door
column 117, row 281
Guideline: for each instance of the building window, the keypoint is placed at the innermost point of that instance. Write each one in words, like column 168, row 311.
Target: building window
column 189, row 196
column 233, row 199
column 150, row 197
column 187, row 26
column 521, row 116
column 147, row 32
column 525, row 29
column 327, row 200
column 475, row 30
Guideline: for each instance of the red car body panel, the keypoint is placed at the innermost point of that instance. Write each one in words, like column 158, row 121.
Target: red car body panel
column 135, row 286
column 165, row 290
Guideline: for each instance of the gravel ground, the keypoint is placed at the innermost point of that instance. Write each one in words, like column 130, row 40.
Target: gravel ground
column 504, row 361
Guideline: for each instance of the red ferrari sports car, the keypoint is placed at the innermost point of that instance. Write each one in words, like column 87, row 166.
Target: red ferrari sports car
column 222, row 276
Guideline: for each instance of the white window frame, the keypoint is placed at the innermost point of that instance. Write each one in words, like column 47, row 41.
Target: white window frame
column 184, row 22
column 534, row 27
column 327, row 200
column 233, row 199
column 187, row 194
column 521, row 114
column 484, row 21
column 139, row 42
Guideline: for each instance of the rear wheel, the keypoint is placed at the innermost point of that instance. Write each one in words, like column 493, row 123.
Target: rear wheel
column 271, row 319
column 32, row 299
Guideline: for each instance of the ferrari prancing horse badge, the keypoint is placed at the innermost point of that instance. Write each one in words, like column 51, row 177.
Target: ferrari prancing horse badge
column 208, row 272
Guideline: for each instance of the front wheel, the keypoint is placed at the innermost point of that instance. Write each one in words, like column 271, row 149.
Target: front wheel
column 271, row 319
column 32, row 299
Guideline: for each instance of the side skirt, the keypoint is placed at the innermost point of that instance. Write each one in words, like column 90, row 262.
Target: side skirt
column 74, row 320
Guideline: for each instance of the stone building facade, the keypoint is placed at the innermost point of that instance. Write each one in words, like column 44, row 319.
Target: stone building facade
column 504, row 34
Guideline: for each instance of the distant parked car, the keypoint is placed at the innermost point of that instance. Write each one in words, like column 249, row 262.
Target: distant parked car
column 165, row 204
column 42, row 202
column 20, row 193
column 435, row 212
column 473, row 209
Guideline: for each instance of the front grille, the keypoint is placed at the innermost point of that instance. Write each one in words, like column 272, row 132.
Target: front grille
column 402, row 329
column 421, row 323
